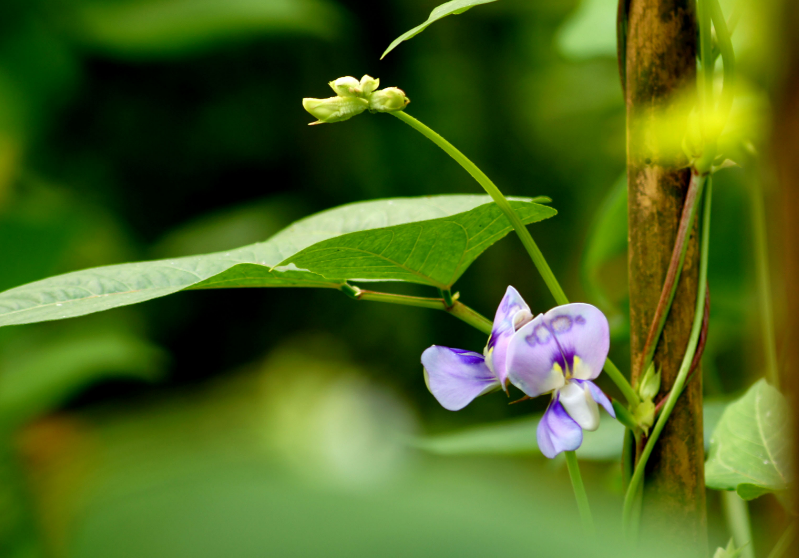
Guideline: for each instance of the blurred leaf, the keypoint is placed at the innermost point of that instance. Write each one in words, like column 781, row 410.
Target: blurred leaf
column 750, row 448
column 178, row 27
column 518, row 436
column 432, row 253
column 590, row 31
column 93, row 290
column 40, row 380
column 454, row 7
column 607, row 239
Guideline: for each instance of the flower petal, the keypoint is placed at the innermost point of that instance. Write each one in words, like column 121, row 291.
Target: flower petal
column 583, row 334
column 557, row 431
column 577, row 401
column 600, row 397
column 456, row 377
column 535, row 363
column 512, row 313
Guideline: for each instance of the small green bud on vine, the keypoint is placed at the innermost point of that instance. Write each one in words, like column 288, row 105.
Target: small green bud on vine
column 650, row 384
column 346, row 87
column 334, row 109
column 645, row 415
column 368, row 85
column 389, row 99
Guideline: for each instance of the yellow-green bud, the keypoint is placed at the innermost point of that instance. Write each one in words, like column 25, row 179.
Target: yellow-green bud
column 645, row 415
column 650, row 384
column 346, row 87
column 389, row 99
column 334, row 109
column 692, row 143
column 368, row 85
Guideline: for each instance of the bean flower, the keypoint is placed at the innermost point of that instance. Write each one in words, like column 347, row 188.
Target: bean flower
column 557, row 353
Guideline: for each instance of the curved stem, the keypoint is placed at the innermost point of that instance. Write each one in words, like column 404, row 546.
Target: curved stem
column 579, row 492
column 685, row 366
column 457, row 309
column 492, row 190
column 675, row 268
column 724, row 39
column 524, row 235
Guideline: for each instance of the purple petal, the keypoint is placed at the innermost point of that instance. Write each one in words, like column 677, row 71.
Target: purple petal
column 600, row 397
column 512, row 313
column 557, row 431
column 535, row 363
column 583, row 334
column 455, row 377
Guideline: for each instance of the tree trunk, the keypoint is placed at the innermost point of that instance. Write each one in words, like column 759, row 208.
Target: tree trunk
column 661, row 62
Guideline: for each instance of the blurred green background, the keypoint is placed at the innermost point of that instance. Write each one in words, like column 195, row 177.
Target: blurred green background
column 283, row 422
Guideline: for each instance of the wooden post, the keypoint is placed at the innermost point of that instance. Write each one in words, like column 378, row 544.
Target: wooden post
column 661, row 45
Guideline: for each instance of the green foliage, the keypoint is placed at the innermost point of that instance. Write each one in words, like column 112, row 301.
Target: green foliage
column 156, row 28
column 590, row 31
column 454, row 7
column 295, row 257
column 750, row 448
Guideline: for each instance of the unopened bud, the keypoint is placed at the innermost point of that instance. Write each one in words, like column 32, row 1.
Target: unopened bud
column 692, row 144
column 334, row 109
column 650, row 384
column 368, row 85
column 346, row 87
column 645, row 415
column 389, row 99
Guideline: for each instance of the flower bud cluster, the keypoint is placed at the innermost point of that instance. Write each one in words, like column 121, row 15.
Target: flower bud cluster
column 352, row 98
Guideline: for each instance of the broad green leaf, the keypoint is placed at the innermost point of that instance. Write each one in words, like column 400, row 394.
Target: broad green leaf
column 517, row 437
column 750, row 448
column 271, row 263
column 37, row 381
column 454, row 7
column 432, row 253
column 175, row 27
column 590, row 31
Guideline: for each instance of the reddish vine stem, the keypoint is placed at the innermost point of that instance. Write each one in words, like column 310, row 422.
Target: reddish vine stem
column 675, row 268
column 700, row 349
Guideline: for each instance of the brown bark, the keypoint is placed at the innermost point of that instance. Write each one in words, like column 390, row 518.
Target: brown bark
column 786, row 156
column 660, row 63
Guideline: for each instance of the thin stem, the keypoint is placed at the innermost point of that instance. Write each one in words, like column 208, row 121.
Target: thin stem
column 706, row 105
column 524, row 235
column 784, row 542
column 764, row 287
column 724, row 39
column 675, row 268
column 736, row 513
column 458, row 309
column 685, row 366
column 492, row 190
column 579, row 492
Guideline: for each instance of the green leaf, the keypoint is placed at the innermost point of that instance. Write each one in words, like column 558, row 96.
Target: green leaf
column 590, row 31
column 517, row 437
column 454, row 7
column 750, row 448
column 434, row 253
column 607, row 240
column 272, row 263
column 156, row 28
column 37, row 381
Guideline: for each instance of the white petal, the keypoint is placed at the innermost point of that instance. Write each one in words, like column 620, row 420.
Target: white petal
column 580, row 405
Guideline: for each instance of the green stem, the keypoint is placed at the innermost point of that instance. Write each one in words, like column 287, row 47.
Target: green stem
column 764, row 286
column 458, row 309
column 579, row 492
column 675, row 268
column 724, row 39
column 705, row 162
column 492, row 190
column 784, row 542
column 685, row 366
column 736, row 512
column 524, row 235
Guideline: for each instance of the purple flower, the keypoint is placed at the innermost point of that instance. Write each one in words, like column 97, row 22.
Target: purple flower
column 559, row 352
